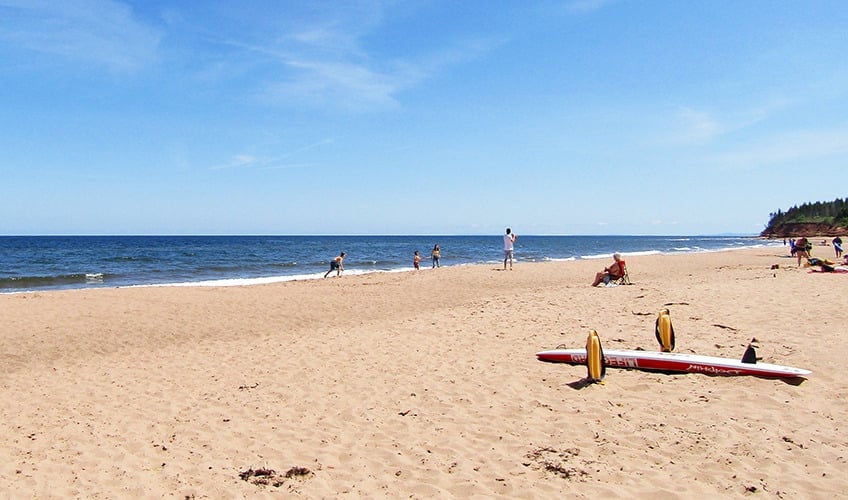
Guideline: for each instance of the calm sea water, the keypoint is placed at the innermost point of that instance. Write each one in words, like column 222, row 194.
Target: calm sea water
column 29, row 263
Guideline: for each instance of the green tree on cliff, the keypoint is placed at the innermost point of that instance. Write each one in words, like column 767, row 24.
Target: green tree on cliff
column 834, row 213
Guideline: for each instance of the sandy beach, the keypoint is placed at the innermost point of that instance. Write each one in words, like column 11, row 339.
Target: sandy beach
column 425, row 384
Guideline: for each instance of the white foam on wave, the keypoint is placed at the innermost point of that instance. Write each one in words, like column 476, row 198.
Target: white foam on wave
column 560, row 259
column 643, row 252
column 623, row 254
column 234, row 281
column 227, row 282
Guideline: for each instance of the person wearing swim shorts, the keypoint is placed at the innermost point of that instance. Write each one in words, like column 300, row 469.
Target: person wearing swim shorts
column 802, row 249
column 336, row 265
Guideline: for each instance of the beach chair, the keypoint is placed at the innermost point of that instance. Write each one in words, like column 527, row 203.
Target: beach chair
column 625, row 278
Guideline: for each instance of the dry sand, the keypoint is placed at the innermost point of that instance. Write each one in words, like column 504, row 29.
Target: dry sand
column 425, row 384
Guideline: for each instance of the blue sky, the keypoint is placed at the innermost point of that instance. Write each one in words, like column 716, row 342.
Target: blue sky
column 418, row 117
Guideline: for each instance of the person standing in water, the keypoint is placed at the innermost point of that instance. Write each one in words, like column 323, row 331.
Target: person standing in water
column 509, row 247
column 436, row 254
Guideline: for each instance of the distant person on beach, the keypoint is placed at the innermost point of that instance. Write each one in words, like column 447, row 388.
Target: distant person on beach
column 336, row 265
column 416, row 261
column 509, row 247
column 613, row 272
column 802, row 249
column 436, row 254
column 837, row 246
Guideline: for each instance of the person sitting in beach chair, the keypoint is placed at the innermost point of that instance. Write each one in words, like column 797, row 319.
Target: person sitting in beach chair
column 615, row 273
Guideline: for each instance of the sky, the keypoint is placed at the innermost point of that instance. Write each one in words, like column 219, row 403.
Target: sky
column 430, row 117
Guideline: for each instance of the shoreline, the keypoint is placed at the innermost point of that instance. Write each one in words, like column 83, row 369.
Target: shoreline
column 96, row 282
column 426, row 384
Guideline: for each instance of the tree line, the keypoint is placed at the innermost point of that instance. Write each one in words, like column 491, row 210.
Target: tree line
column 821, row 212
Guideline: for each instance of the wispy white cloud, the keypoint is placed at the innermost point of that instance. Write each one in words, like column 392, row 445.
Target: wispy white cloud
column 691, row 125
column 308, row 147
column 697, row 125
column 327, row 64
column 251, row 161
column 246, row 161
column 359, row 84
column 238, row 161
column 802, row 146
column 345, row 84
column 329, row 39
column 100, row 32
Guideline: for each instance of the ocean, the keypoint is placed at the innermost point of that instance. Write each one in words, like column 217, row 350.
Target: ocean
column 33, row 263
